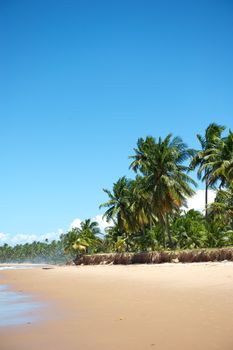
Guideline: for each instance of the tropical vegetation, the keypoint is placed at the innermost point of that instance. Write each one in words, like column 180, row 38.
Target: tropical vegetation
column 148, row 212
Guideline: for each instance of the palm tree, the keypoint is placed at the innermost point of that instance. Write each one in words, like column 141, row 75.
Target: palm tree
column 140, row 207
column 190, row 230
column 82, row 239
column 201, row 158
column 220, row 160
column 88, row 239
column 111, row 237
column 166, row 179
column 222, row 207
column 69, row 240
column 119, row 205
column 89, row 227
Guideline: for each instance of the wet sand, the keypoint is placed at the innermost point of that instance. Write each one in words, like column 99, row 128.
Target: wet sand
column 170, row 306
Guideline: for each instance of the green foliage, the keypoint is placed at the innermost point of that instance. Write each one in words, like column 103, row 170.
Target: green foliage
column 203, row 159
column 36, row 252
column 220, row 159
column 189, row 230
column 161, row 189
column 84, row 239
column 146, row 213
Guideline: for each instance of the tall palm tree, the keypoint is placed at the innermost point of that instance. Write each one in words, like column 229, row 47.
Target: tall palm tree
column 166, row 179
column 89, row 227
column 201, row 158
column 82, row 239
column 88, row 239
column 69, row 240
column 140, row 205
column 220, row 160
column 222, row 207
column 119, row 205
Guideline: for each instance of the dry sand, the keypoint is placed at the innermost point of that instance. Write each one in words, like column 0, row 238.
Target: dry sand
column 136, row 307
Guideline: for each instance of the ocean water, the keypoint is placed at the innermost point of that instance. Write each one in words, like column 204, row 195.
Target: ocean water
column 16, row 307
column 14, row 267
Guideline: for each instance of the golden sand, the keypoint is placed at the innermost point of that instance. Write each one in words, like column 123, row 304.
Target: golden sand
column 137, row 307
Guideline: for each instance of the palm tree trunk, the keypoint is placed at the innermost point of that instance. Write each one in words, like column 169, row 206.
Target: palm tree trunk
column 206, row 199
column 143, row 237
column 165, row 232
column 164, row 238
column 164, row 235
column 127, row 244
column 168, row 231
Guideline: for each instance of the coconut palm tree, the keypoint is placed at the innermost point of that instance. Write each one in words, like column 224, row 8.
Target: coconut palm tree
column 83, row 239
column 111, row 237
column 119, row 205
column 89, row 227
column 69, row 240
column 166, row 179
column 222, row 207
column 140, row 207
column 201, row 158
column 220, row 160
column 190, row 230
column 88, row 239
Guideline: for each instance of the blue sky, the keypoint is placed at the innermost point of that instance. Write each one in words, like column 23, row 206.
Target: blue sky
column 82, row 80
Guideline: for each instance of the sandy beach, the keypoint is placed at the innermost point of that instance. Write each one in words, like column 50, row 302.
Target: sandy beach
column 170, row 306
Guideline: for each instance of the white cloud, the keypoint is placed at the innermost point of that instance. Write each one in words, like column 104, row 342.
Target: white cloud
column 197, row 202
column 102, row 222
column 76, row 223
column 22, row 238
column 98, row 218
column 28, row 238
column 2, row 235
column 51, row 236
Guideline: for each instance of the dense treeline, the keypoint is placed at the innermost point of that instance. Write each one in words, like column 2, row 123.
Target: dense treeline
column 36, row 252
column 147, row 213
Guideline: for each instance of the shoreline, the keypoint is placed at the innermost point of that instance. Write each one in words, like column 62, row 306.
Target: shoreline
column 185, row 306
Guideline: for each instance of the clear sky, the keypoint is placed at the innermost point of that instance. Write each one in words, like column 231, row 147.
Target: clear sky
column 80, row 81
